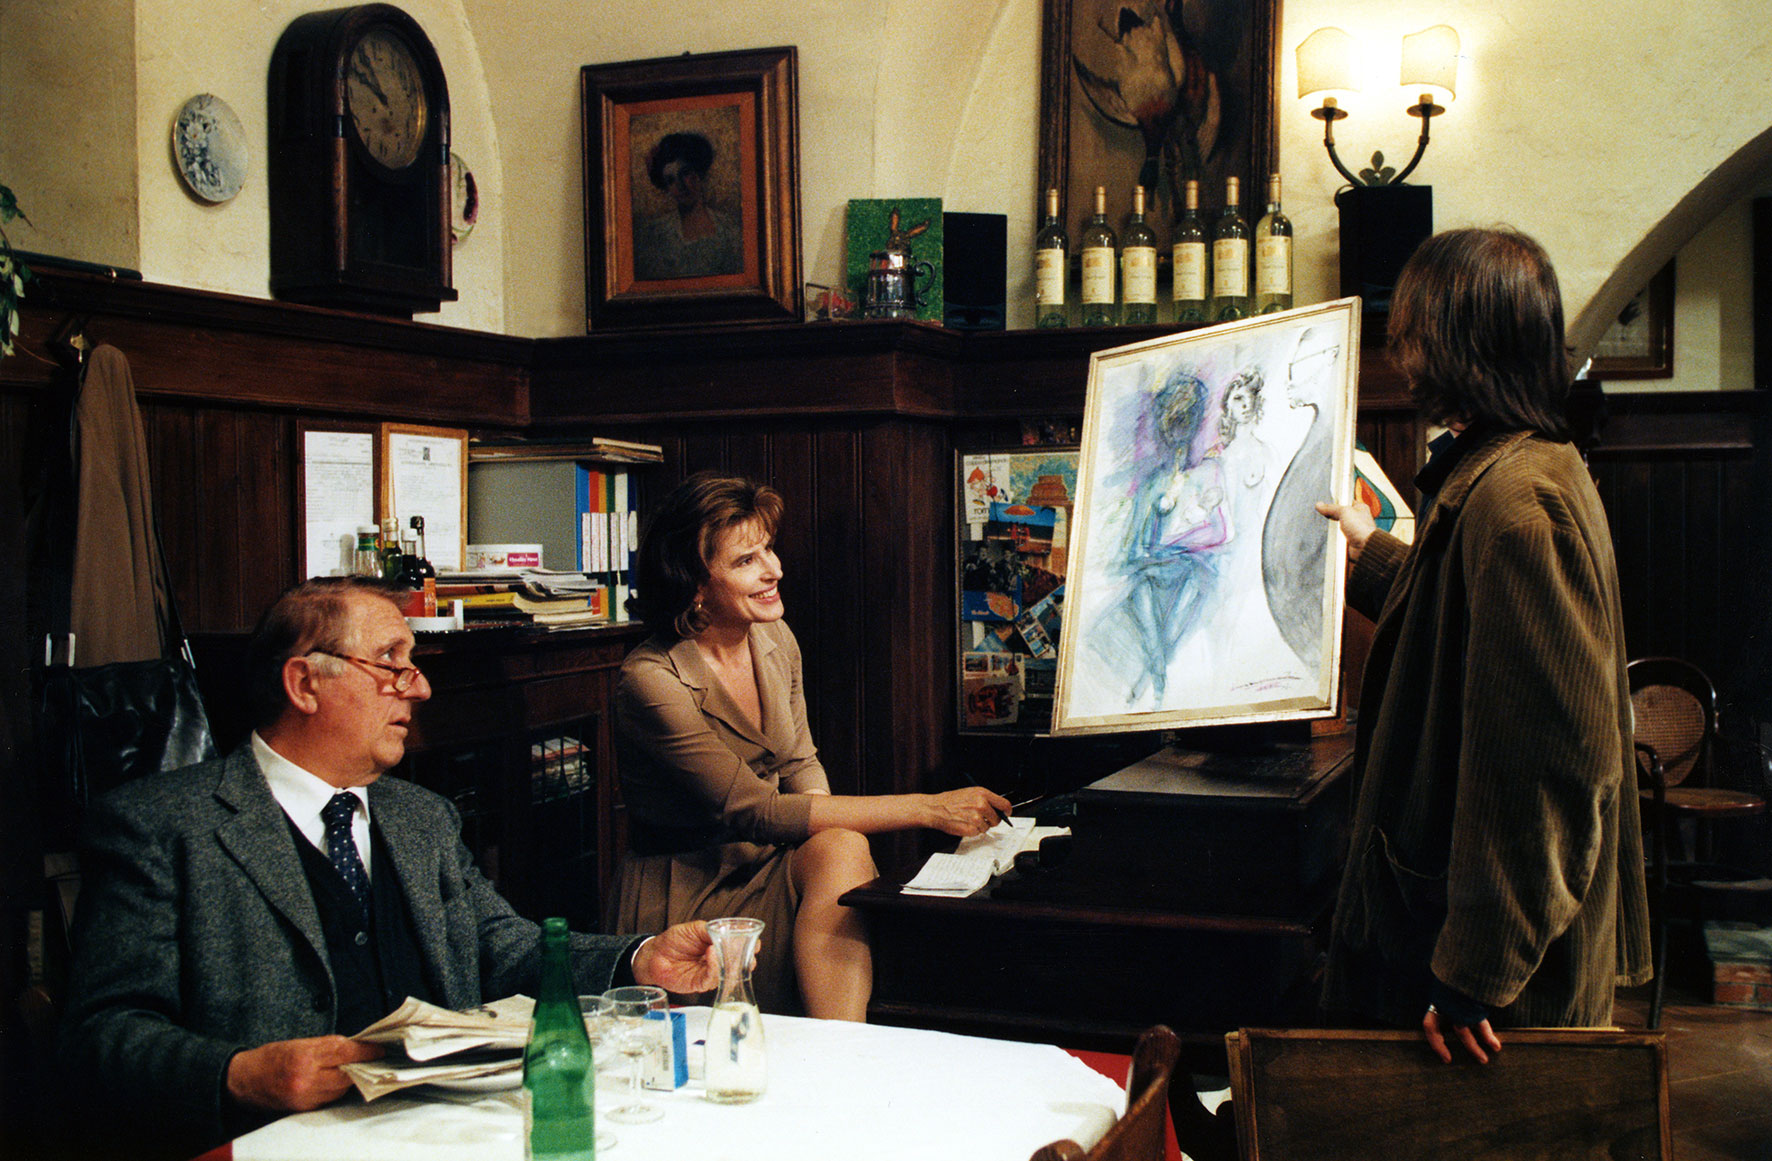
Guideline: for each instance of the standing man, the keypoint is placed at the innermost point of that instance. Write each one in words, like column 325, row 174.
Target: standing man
column 238, row 916
column 1495, row 870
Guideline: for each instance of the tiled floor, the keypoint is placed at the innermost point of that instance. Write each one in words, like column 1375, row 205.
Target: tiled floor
column 1719, row 1074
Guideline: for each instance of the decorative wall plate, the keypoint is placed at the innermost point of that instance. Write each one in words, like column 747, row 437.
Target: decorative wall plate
column 209, row 146
column 464, row 198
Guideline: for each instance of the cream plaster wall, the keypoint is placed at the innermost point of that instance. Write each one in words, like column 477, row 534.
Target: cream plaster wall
column 66, row 111
column 224, row 47
column 1597, row 126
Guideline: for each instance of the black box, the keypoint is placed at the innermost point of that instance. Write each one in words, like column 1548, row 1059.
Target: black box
column 1381, row 225
column 974, row 257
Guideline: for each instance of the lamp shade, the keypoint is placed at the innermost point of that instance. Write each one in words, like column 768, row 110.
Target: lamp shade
column 1430, row 60
column 1325, row 63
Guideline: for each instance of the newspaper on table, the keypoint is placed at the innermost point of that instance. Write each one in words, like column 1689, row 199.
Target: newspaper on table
column 428, row 1044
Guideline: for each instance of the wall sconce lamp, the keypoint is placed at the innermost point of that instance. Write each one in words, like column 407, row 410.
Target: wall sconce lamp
column 1430, row 66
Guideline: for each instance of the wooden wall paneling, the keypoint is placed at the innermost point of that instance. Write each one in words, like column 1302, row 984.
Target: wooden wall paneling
column 180, row 504
column 834, row 637
column 907, row 581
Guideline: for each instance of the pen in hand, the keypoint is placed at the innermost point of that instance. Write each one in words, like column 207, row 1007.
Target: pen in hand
column 1002, row 815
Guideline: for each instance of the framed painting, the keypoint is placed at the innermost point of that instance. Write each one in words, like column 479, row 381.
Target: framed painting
column 1154, row 93
column 1202, row 587
column 1013, row 517
column 692, row 189
column 1640, row 342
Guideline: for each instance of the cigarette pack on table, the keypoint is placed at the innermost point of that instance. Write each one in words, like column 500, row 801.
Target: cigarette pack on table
column 667, row 1068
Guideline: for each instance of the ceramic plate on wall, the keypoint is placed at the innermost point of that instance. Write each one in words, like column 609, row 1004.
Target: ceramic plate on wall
column 464, row 198
column 209, row 146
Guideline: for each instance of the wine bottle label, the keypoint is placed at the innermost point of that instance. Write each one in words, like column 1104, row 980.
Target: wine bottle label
column 1190, row 271
column 1273, row 265
column 1139, row 269
column 1230, row 268
column 1098, row 274
column 1049, row 277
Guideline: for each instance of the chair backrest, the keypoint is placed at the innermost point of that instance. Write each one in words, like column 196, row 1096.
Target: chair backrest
column 1311, row 1095
column 1675, row 707
column 1139, row 1133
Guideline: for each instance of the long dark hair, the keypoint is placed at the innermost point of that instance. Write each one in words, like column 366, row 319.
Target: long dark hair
column 1476, row 325
column 681, row 537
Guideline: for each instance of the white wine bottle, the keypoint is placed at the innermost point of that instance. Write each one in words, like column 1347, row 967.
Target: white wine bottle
column 1273, row 255
column 1051, row 250
column 1230, row 260
column 1138, row 267
column 1099, row 250
column 1188, row 258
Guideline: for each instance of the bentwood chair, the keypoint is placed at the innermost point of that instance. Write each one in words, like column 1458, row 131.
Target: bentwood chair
column 1680, row 761
column 1138, row 1134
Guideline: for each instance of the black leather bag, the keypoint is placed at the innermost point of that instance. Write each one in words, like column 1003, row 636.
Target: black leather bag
column 108, row 724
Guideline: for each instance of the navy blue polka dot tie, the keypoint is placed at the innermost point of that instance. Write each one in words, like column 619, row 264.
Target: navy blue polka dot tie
column 341, row 847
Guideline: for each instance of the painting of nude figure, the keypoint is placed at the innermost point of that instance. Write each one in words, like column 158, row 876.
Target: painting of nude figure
column 1203, row 586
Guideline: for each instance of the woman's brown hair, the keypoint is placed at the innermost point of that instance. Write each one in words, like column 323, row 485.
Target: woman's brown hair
column 1476, row 324
column 680, row 538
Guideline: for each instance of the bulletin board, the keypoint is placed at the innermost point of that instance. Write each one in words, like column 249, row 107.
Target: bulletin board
column 1013, row 521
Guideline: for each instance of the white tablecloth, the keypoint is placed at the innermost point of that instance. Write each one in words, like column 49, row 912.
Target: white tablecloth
column 836, row 1091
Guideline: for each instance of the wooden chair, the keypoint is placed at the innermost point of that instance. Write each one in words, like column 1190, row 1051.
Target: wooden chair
column 1679, row 753
column 1313, row 1095
column 1138, row 1134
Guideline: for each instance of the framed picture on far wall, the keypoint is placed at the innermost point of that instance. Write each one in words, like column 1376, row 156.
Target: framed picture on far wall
column 1640, row 342
column 692, row 189
column 1202, row 587
column 1154, row 93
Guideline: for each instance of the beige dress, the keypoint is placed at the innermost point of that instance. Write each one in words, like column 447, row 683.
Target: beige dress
column 715, row 802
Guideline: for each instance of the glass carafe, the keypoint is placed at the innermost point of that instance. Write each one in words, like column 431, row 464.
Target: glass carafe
column 736, row 1070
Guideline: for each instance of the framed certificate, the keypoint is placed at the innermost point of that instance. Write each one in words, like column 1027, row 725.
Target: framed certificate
column 424, row 472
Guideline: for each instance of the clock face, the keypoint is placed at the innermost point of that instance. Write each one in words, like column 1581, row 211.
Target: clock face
column 385, row 93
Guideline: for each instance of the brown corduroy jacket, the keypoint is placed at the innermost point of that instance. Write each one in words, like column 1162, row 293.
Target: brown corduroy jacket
column 1495, row 835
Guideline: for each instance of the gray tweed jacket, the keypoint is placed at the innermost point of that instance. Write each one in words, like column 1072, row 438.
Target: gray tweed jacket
column 196, row 936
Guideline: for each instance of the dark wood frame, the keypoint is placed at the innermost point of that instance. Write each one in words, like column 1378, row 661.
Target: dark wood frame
column 1254, row 160
column 1656, row 361
column 763, row 84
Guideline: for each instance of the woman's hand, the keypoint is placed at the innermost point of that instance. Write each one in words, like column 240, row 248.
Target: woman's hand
column 967, row 811
column 1356, row 524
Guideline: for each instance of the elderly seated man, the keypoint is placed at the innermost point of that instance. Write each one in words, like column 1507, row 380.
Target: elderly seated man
column 239, row 915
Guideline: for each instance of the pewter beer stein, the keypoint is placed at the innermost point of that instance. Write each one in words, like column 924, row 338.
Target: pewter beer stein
column 734, row 1070
column 890, row 289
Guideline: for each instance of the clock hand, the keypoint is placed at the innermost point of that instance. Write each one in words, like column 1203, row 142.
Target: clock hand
column 365, row 75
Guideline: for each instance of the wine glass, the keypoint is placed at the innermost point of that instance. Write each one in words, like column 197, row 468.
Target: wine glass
column 635, row 1036
column 596, row 1011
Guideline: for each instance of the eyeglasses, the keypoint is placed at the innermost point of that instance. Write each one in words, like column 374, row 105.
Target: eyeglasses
column 404, row 675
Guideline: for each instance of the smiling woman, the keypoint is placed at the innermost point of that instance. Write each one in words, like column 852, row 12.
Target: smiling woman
column 729, row 810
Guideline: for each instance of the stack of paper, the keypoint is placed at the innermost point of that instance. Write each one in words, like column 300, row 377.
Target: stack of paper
column 979, row 858
column 429, row 1045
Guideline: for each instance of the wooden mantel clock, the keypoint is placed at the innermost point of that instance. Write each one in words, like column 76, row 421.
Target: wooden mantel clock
column 359, row 163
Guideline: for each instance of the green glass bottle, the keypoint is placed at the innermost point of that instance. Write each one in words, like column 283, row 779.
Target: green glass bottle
column 1138, row 267
column 1100, row 250
column 559, row 1081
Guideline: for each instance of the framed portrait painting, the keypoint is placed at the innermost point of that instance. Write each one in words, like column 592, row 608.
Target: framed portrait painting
column 1202, row 586
column 1155, row 93
column 692, row 189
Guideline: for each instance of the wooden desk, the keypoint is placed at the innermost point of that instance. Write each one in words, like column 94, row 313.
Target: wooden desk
column 1205, row 908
